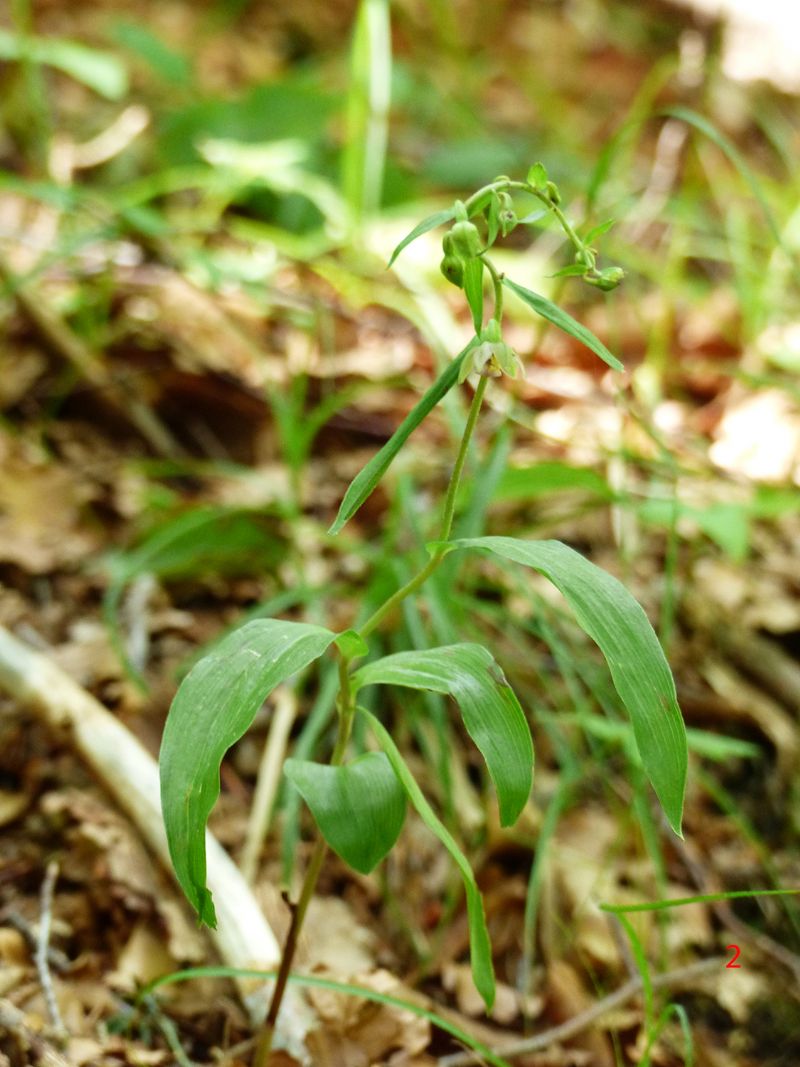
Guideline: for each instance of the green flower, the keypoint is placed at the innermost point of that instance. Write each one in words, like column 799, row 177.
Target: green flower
column 492, row 357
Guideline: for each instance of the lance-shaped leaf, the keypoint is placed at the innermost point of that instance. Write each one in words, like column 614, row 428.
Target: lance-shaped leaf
column 553, row 313
column 491, row 711
column 367, row 478
column 358, row 807
column 215, row 705
column 473, row 290
column 430, row 223
column 616, row 621
column 479, row 944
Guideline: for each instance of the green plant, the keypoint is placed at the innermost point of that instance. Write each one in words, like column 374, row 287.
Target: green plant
column 359, row 805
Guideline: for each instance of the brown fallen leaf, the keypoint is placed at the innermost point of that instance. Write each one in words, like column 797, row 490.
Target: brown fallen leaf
column 360, row 1032
column 42, row 525
column 457, row 979
column 143, row 957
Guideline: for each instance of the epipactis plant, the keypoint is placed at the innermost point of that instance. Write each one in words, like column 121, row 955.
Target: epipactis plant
column 359, row 804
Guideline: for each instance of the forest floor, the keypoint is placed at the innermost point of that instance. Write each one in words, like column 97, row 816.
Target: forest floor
column 196, row 362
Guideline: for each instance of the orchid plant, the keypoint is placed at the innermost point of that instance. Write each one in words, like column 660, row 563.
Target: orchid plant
column 359, row 800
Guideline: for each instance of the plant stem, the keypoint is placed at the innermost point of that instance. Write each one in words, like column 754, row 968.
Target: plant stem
column 506, row 185
column 497, row 284
column 447, row 519
column 346, row 714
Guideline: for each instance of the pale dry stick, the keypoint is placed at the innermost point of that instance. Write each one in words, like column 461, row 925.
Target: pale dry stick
column 136, row 612
column 55, row 957
column 243, row 937
column 268, row 781
column 564, row 1031
column 42, row 946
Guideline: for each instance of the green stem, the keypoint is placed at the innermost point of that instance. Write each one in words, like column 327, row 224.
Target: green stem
column 447, row 519
column 497, row 284
column 346, row 709
column 346, row 714
column 506, row 185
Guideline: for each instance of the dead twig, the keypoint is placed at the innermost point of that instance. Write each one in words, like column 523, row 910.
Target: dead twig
column 681, row 976
column 42, row 946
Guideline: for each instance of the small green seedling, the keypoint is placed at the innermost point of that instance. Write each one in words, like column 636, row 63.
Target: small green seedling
column 359, row 804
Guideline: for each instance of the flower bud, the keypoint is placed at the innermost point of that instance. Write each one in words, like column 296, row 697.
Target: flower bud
column 466, row 241
column 507, row 215
column 452, row 267
column 606, row 279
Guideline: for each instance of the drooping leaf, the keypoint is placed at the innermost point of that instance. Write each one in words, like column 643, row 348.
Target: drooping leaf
column 479, row 943
column 553, row 313
column 367, row 478
column 359, row 807
column 492, row 715
column 608, row 613
column 215, row 705
column 473, row 290
column 438, row 218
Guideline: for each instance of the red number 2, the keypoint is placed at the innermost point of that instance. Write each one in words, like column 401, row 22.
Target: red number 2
column 732, row 961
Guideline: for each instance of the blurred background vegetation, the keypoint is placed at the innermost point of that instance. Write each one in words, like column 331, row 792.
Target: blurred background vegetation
column 202, row 345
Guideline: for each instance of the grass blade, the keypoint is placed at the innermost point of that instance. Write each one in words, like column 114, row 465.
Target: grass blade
column 368, row 102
